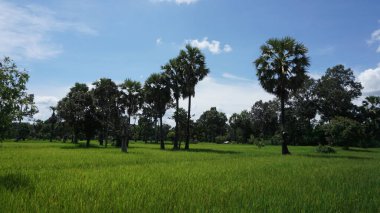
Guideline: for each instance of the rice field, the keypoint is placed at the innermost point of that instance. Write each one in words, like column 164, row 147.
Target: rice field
column 38, row 176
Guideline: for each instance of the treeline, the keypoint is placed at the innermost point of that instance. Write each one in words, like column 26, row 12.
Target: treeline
column 321, row 112
column 306, row 111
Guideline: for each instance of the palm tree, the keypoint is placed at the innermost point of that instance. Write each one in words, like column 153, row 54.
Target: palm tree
column 194, row 68
column 174, row 75
column 131, row 100
column 281, row 68
column 158, row 96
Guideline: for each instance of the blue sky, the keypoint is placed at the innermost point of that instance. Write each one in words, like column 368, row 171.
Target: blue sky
column 63, row 42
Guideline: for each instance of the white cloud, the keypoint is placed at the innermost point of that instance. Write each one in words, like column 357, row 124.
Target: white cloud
column 370, row 79
column 158, row 41
column 179, row 2
column 234, row 77
column 25, row 31
column 213, row 46
column 231, row 97
column 375, row 38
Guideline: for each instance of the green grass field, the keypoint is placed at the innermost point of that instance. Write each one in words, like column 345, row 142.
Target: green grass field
column 56, row 177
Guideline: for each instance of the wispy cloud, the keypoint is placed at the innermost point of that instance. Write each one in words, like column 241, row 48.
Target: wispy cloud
column 179, row 2
column 213, row 46
column 26, row 31
column 234, row 77
column 375, row 39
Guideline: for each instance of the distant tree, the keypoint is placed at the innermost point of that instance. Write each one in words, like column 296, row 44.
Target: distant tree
column 281, row 68
column 335, row 91
column 175, row 78
column 370, row 116
column 193, row 63
column 131, row 101
column 181, row 117
column 243, row 125
column 15, row 102
column 77, row 109
column 212, row 124
column 158, row 96
column 106, row 96
column 265, row 118
column 301, row 114
column 52, row 120
column 344, row 132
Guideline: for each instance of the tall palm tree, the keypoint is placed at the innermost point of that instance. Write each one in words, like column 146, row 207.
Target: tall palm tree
column 174, row 75
column 194, row 68
column 158, row 96
column 281, row 68
column 131, row 100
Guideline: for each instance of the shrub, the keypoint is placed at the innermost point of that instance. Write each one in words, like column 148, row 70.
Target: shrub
column 220, row 139
column 325, row 149
column 344, row 132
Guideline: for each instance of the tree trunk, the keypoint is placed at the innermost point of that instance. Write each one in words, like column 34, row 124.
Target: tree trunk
column 124, row 139
column 162, row 144
column 188, row 125
column 128, row 130
column 88, row 142
column 285, row 150
column 175, row 144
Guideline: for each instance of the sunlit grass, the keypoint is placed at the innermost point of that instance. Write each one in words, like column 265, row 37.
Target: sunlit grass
column 57, row 177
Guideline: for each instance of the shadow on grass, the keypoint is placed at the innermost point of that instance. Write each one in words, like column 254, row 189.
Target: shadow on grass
column 16, row 181
column 210, row 151
column 83, row 146
column 358, row 150
column 336, row 156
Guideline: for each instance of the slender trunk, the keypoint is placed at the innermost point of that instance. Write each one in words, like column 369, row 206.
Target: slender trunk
column 124, row 138
column 162, row 144
column 128, row 136
column 188, row 125
column 285, row 150
column 175, row 145
column 88, row 142
column 155, row 130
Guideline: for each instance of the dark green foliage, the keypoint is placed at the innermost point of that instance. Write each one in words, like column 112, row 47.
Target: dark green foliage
column 335, row 91
column 211, row 124
column 344, row 132
column 220, row 139
column 265, row 118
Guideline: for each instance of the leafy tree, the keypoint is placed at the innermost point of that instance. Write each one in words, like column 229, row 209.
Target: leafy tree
column 370, row 113
column 78, row 111
column 52, row 120
column 336, row 90
column 15, row 102
column 194, row 68
column 301, row 113
column 242, row 123
column 264, row 118
column 158, row 96
column 131, row 101
column 212, row 124
column 106, row 96
column 181, row 117
column 281, row 68
column 174, row 74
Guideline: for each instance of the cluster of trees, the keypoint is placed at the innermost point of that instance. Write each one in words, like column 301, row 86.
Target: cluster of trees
column 107, row 109
column 306, row 111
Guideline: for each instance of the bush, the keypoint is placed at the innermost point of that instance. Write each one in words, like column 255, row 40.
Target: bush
column 220, row 139
column 325, row 149
column 276, row 139
column 344, row 132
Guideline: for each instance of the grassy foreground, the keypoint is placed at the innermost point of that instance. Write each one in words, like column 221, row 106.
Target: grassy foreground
column 56, row 177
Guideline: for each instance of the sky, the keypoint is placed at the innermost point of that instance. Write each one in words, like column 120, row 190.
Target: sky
column 60, row 43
